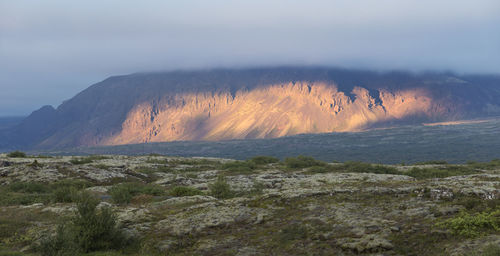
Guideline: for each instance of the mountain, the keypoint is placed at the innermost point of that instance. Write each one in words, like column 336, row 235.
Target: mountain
column 9, row 121
column 225, row 104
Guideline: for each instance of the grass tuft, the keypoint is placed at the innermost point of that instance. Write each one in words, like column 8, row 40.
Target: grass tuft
column 124, row 192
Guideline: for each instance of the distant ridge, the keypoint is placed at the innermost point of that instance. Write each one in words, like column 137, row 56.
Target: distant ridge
column 223, row 104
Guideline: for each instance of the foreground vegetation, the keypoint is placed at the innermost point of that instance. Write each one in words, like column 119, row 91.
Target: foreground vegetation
column 157, row 205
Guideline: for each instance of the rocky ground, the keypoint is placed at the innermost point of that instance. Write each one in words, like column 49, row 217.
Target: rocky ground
column 209, row 206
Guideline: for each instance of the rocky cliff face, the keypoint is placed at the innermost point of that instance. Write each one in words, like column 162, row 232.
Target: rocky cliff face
column 271, row 111
column 253, row 103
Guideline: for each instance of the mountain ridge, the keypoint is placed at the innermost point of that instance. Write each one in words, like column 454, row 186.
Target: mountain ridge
column 224, row 104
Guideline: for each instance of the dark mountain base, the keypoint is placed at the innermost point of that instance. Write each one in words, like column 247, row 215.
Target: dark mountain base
column 476, row 141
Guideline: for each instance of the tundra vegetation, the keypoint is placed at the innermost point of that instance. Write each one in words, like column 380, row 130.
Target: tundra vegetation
column 160, row 205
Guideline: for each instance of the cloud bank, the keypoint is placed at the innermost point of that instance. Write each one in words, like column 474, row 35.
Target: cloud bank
column 50, row 50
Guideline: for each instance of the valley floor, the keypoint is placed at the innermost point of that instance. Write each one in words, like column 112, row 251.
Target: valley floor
column 261, row 206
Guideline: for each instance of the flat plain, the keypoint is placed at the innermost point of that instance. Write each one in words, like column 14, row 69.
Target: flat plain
column 459, row 143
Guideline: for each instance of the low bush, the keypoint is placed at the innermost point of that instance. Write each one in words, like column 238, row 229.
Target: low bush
column 97, row 157
column 220, row 189
column 474, row 203
column 368, row 168
column 75, row 183
column 322, row 169
column 184, row 191
column 431, row 162
column 90, row 230
column 95, row 229
column 64, row 194
column 23, row 193
column 358, row 167
column 302, row 162
column 156, row 161
column 16, row 154
column 192, row 161
column 29, row 187
column 475, row 224
column 493, row 164
column 263, row 160
column 124, row 192
column 441, row 172
column 151, row 170
column 239, row 167
column 10, row 198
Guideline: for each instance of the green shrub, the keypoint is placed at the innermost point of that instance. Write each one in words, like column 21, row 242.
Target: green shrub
column 473, row 225
column 61, row 244
column 23, row 199
column 368, row 168
column 262, row 160
column 124, row 192
column 35, row 192
column 151, row 170
column 220, row 189
column 65, row 191
column 75, row 183
column 493, row 164
column 358, row 167
column 239, row 167
column 154, row 154
column 91, row 229
column 64, row 194
column 302, row 162
column 476, row 204
column 29, row 187
column 441, row 172
column 95, row 229
column 156, row 161
column 192, row 161
column 322, row 169
column 16, row 154
column 184, row 191
column 431, row 162
column 97, row 157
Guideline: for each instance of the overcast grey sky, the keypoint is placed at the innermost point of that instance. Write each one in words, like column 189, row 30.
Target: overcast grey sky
column 52, row 49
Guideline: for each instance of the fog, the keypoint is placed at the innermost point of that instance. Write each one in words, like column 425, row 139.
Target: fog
column 50, row 50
